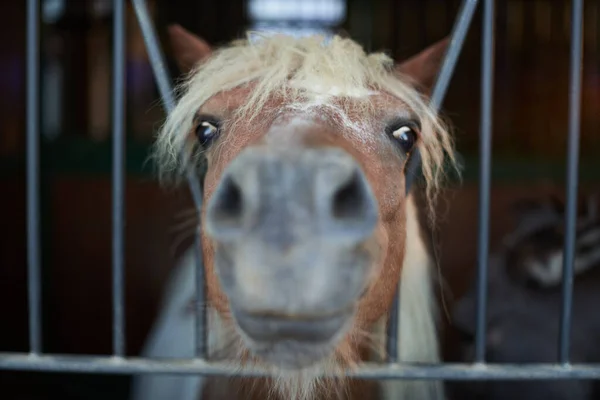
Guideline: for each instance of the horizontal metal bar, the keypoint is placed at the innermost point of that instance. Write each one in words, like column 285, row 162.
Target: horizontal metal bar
column 449, row 371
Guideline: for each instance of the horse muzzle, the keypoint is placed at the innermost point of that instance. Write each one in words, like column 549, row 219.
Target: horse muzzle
column 292, row 232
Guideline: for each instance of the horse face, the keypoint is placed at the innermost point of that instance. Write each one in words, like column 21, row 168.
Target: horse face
column 304, row 214
column 298, row 217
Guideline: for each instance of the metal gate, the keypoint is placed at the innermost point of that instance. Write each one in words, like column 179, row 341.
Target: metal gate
column 36, row 359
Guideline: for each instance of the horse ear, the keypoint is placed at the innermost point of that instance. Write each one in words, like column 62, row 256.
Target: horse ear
column 188, row 48
column 423, row 67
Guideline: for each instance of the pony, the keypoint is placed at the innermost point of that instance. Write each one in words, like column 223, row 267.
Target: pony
column 524, row 303
column 307, row 232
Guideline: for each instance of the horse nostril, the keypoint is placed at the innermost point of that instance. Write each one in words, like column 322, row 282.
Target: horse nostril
column 350, row 199
column 352, row 207
column 226, row 209
column 230, row 200
column 276, row 195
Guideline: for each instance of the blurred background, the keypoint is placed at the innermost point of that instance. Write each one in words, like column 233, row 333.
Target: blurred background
column 529, row 139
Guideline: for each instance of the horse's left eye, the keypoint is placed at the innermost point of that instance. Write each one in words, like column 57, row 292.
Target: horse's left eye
column 406, row 137
column 206, row 132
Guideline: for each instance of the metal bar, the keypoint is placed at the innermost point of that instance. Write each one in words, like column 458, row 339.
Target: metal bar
column 572, row 177
column 33, row 177
column 118, row 178
column 485, row 171
column 458, row 35
column 457, row 39
column 162, row 79
column 450, row 371
column 392, row 330
column 154, row 54
column 200, row 312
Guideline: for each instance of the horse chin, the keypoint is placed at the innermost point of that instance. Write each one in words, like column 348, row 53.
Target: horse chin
column 292, row 354
column 295, row 354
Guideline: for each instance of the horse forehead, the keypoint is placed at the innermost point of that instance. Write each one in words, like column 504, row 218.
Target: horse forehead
column 291, row 129
column 318, row 90
column 294, row 126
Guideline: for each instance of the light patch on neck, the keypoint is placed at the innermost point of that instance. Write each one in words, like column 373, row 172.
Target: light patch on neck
column 417, row 338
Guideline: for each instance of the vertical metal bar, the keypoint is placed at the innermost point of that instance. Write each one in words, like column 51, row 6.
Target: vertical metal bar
column 200, row 312
column 156, row 58
column 162, row 79
column 485, row 168
column 572, row 177
column 392, row 330
column 395, row 15
column 33, row 177
column 458, row 35
column 118, row 178
column 457, row 39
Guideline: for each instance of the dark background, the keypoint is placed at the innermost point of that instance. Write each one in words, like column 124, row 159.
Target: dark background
column 530, row 133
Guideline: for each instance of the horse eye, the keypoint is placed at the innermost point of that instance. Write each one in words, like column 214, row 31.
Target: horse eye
column 406, row 137
column 206, row 132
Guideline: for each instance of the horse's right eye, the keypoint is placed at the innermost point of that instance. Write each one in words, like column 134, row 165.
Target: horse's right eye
column 207, row 131
column 406, row 137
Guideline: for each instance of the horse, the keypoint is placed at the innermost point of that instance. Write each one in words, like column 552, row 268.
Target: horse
column 524, row 303
column 307, row 232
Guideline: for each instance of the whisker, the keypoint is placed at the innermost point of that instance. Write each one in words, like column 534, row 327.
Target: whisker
column 182, row 225
column 179, row 239
column 372, row 341
column 186, row 212
column 227, row 350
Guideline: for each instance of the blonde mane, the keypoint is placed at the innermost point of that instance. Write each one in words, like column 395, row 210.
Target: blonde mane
column 305, row 69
